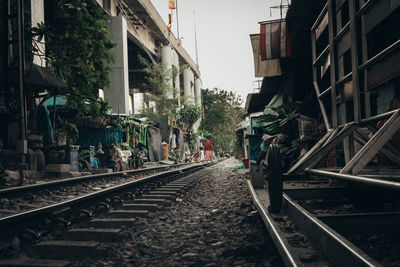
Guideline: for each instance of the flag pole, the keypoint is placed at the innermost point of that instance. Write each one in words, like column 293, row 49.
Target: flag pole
column 195, row 38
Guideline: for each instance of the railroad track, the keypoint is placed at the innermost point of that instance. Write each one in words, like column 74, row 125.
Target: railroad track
column 46, row 232
column 341, row 225
column 24, row 198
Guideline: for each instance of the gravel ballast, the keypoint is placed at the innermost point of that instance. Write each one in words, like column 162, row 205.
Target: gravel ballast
column 213, row 224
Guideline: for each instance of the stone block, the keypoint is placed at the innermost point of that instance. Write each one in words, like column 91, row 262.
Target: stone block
column 127, row 213
column 89, row 234
column 140, row 206
column 63, row 249
column 113, row 222
column 33, row 263
column 103, row 170
column 58, row 168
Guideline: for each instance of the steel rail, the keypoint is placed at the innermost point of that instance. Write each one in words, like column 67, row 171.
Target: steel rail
column 39, row 211
column 357, row 179
column 28, row 188
column 337, row 249
column 284, row 248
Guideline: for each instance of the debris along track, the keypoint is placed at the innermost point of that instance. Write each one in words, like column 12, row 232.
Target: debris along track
column 211, row 224
column 341, row 225
column 36, row 225
column 24, row 198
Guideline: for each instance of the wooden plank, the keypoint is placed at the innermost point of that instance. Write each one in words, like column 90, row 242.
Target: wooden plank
column 361, row 159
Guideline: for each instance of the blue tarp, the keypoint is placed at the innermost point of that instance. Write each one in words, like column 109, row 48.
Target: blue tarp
column 254, row 146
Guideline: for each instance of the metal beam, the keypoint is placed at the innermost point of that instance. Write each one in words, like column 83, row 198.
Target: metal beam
column 331, row 27
column 333, row 135
column 361, row 159
column 390, row 145
column 319, row 150
column 309, row 153
column 379, row 117
column 383, row 153
column 322, row 107
column 372, row 223
column 354, row 60
column 312, row 161
column 330, row 243
column 357, row 179
column 316, row 87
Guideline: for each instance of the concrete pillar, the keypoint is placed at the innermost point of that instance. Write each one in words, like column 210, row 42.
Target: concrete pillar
column 197, row 91
column 166, row 59
column 177, row 87
column 37, row 16
column 118, row 93
column 188, row 86
column 177, row 90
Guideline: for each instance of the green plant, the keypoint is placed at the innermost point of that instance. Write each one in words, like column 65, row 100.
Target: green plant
column 222, row 112
column 188, row 115
column 186, row 118
column 280, row 119
column 82, row 158
column 78, row 49
column 67, row 130
column 158, row 89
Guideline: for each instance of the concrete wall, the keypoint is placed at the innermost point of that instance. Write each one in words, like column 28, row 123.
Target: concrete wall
column 118, row 94
column 37, row 16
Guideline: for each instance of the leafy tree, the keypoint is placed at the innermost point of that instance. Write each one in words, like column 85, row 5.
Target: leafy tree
column 158, row 89
column 222, row 112
column 186, row 118
column 77, row 49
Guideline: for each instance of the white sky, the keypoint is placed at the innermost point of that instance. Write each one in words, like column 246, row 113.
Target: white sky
column 223, row 28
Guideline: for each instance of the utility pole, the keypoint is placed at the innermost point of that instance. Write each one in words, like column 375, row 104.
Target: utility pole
column 177, row 19
column 195, row 38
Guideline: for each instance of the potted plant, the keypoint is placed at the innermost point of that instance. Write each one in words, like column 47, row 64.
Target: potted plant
column 66, row 134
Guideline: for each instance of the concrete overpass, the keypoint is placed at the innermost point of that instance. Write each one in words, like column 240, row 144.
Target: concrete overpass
column 137, row 28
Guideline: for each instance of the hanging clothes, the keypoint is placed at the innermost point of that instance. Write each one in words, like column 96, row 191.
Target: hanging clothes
column 173, row 141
